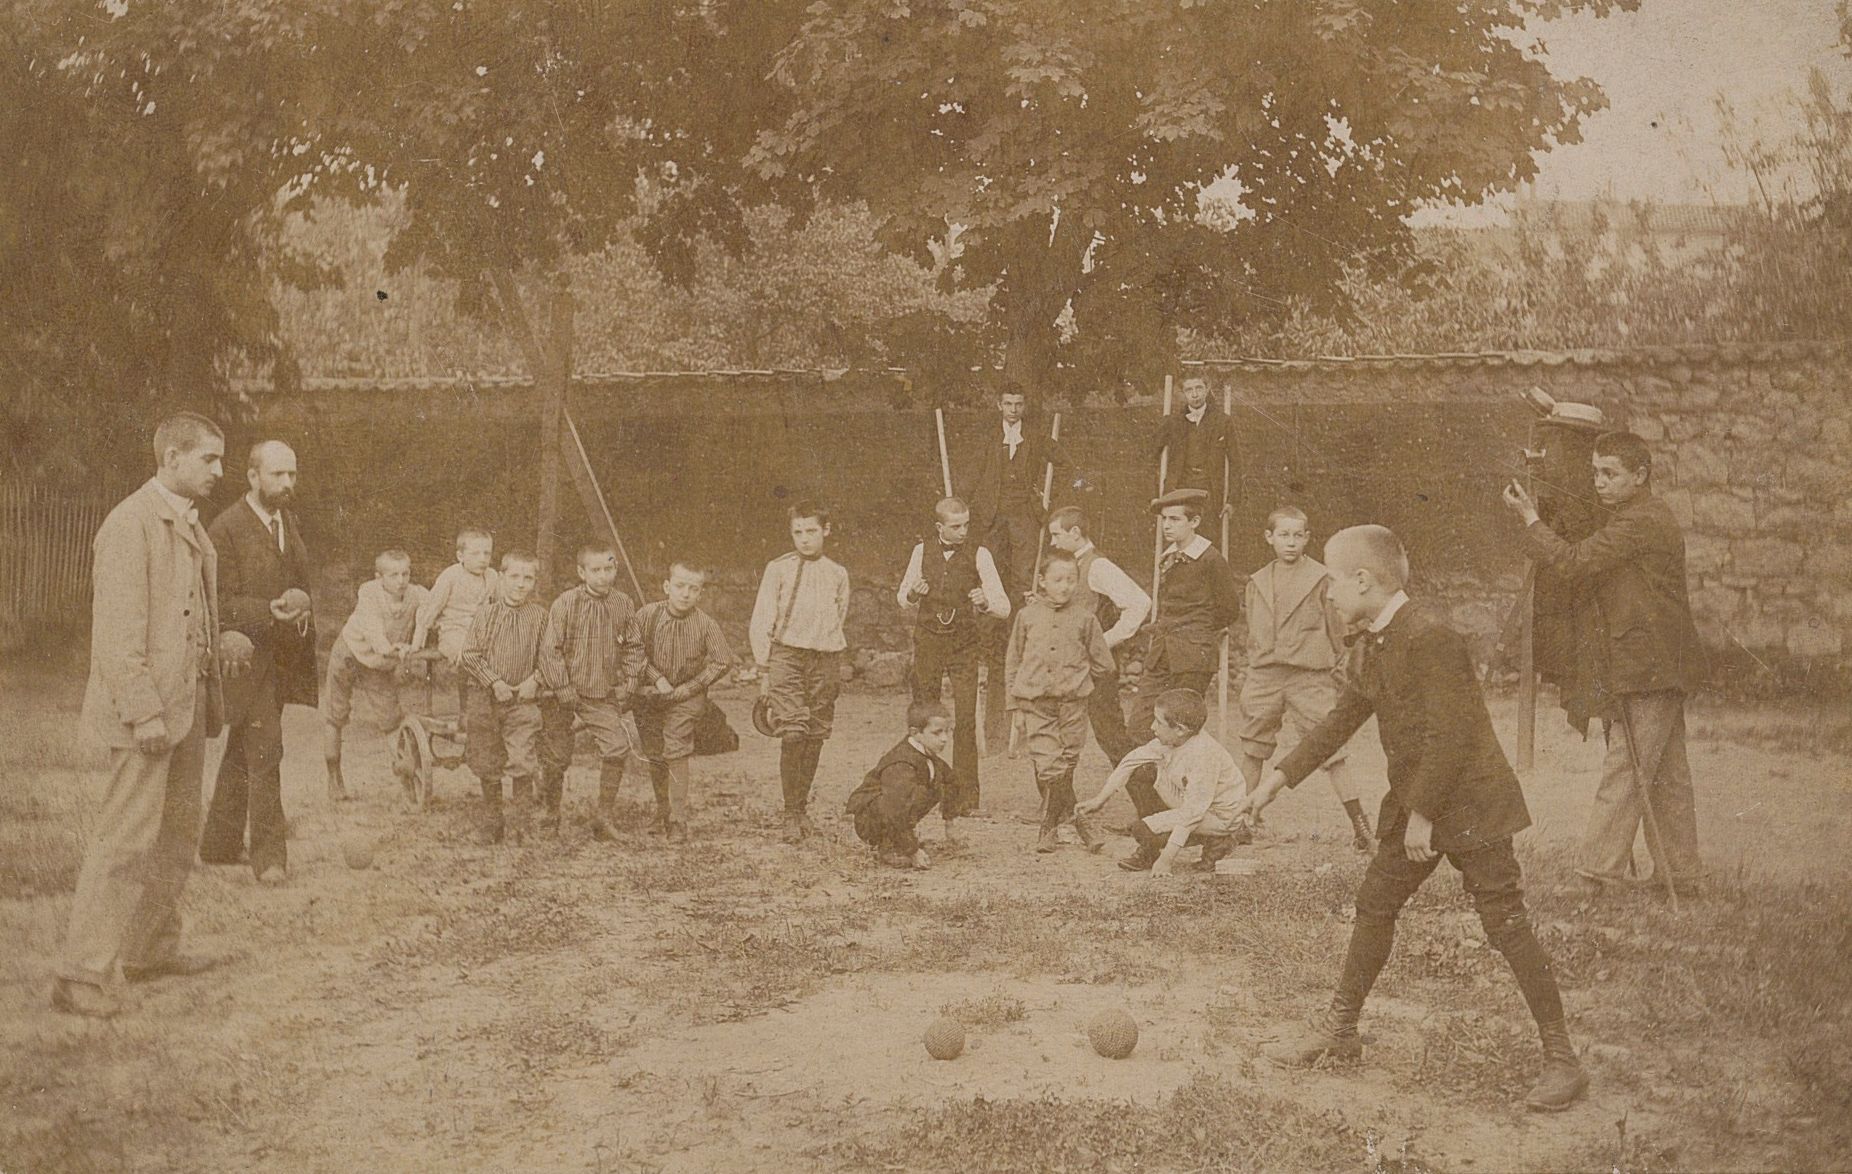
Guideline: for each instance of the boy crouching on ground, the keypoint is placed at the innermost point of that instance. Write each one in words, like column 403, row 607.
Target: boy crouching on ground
column 685, row 653
column 904, row 787
column 1057, row 651
column 1194, row 797
column 369, row 655
column 501, row 708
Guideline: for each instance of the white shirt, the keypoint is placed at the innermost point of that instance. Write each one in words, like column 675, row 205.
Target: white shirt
column 1105, row 578
column 1389, row 609
column 1012, row 436
column 1195, row 415
column 996, row 599
column 264, row 516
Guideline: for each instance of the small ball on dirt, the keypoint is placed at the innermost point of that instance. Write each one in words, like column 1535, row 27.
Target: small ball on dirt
column 1114, row 1034
column 945, row 1039
column 357, row 849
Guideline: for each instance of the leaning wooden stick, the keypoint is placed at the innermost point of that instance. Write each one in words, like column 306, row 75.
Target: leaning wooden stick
column 1221, row 720
column 1041, row 543
column 1157, row 545
column 1642, row 787
column 945, row 461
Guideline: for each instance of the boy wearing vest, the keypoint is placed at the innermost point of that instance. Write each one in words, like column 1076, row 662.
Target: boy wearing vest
column 1295, row 645
column 797, row 643
column 904, row 787
column 951, row 583
column 1057, row 652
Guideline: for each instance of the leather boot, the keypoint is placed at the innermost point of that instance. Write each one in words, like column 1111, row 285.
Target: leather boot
column 604, row 820
column 659, row 783
column 552, row 792
column 1329, row 1038
column 490, row 830
column 1563, row 1079
column 1362, row 838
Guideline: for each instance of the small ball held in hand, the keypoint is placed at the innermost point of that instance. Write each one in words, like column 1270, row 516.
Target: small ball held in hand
column 296, row 600
column 1114, row 1034
column 945, row 1039
column 357, row 850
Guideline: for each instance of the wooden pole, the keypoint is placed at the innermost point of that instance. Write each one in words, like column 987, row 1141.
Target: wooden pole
column 1221, row 720
column 1527, row 674
column 1157, row 542
column 1048, row 489
column 553, row 383
column 591, row 495
column 945, row 461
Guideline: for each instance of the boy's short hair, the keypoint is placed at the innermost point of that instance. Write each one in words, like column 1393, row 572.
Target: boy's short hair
column 1286, row 511
column 950, row 507
column 1057, row 557
column 921, row 713
column 1629, row 449
column 390, row 556
column 809, row 509
column 685, row 565
column 1183, row 708
column 185, row 431
column 526, row 557
column 1070, row 517
column 465, row 537
column 1375, row 549
column 589, row 549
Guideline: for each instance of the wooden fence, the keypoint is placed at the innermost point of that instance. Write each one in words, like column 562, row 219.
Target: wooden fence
column 45, row 559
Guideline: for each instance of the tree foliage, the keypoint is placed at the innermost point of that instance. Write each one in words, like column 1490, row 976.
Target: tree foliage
column 1119, row 167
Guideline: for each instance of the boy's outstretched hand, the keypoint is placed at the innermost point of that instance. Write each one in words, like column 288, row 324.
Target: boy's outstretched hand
column 1252, row 803
column 1418, row 838
column 1518, row 500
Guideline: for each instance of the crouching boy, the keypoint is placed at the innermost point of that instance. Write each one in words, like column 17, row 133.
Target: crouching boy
column 684, row 654
column 904, row 787
column 1193, row 799
column 501, row 708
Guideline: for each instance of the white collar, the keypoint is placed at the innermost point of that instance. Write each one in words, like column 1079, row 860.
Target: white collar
column 263, row 515
column 1012, row 432
column 914, row 742
column 181, row 504
column 1193, row 551
column 1389, row 609
column 1196, row 416
column 1085, row 549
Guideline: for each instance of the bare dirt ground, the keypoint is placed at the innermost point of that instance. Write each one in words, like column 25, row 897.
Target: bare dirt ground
column 743, row 1005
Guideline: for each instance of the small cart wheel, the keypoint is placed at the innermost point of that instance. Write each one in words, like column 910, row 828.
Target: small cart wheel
column 413, row 762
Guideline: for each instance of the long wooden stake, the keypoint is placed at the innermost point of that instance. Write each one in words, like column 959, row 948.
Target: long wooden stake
column 945, row 461
column 1527, row 661
column 1048, row 489
column 1157, row 543
column 591, row 495
column 1221, row 720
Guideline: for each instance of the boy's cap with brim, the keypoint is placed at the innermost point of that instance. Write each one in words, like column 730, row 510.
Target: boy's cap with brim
column 1195, row 497
column 1569, row 415
column 762, row 717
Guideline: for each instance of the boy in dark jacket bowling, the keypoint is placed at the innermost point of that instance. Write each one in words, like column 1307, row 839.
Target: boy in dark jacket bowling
column 904, row 787
column 1451, row 793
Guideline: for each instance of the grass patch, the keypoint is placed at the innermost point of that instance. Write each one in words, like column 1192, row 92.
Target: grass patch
column 1210, row 1123
column 991, row 1011
column 484, row 932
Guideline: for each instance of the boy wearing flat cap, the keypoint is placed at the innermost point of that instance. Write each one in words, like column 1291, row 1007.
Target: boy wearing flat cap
column 1197, row 597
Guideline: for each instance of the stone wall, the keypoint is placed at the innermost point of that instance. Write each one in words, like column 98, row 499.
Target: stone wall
column 1751, row 444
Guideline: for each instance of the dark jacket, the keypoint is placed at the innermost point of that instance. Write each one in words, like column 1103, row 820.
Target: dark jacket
column 1197, row 598
column 1417, row 678
column 902, row 789
column 1635, row 565
column 1006, row 485
column 251, row 574
column 1197, row 453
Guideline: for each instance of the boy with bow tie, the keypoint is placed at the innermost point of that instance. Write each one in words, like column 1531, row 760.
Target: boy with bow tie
column 952, row 583
column 1451, row 793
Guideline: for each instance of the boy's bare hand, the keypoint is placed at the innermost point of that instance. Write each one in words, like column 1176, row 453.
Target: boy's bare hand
column 664, row 688
column 529, row 690
column 1088, row 806
column 502, row 691
column 567, row 697
column 976, row 596
column 1518, row 499
column 151, row 736
column 1418, row 839
column 919, row 590
column 1161, row 867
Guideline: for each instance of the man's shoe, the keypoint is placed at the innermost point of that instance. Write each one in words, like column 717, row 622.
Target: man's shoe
column 677, row 832
column 1048, row 841
column 794, row 827
column 893, row 859
column 603, row 829
column 82, row 998
column 1088, row 834
column 1214, row 849
column 178, row 966
column 1141, row 860
column 1561, row 1084
column 273, row 877
column 1317, row 1042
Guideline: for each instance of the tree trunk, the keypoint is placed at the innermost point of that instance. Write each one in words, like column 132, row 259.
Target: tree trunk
column 550, row 359
column 1043, row 275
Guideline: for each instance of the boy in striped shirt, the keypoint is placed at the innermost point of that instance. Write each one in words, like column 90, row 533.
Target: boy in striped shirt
column 501, row 706
column 797, row 642
column 685, row 653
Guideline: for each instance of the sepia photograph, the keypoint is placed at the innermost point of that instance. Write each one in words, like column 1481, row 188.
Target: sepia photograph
column 615, row 587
